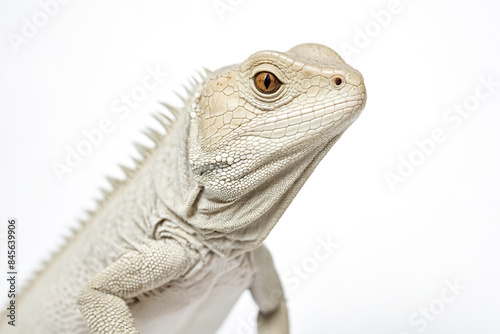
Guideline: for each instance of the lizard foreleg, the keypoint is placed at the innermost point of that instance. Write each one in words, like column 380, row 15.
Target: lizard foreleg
column 268, row 295
column 102, row 300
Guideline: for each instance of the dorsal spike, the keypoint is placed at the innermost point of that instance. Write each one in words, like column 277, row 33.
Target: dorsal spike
column 74, row 229
column 127, row 171
column 143, row 150
column 89, row 213
column 201, row 75
column 174, row 110
column 192, row 83
column 82, row 223
column 197, row 80
column 114, row 182
column 136, row 161
column 187, row 89
column 168, row 118
column 102, row 200
column 153, row 135
column 163, row 120
column 104, row 193
column 207, row 71
column 183, row 98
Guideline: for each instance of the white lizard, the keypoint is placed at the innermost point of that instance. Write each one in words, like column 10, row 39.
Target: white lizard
column 173, row 246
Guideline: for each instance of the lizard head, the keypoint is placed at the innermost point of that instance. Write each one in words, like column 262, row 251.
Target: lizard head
column 270, row 116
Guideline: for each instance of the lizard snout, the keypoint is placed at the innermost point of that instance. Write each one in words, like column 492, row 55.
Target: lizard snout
column 354, row 78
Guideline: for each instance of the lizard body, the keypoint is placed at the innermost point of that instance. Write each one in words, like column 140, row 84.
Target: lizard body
column 175, row 244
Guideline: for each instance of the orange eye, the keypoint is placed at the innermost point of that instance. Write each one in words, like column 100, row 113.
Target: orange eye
column 266, row 82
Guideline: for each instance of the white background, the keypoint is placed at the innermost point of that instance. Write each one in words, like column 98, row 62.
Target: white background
column 397, row 246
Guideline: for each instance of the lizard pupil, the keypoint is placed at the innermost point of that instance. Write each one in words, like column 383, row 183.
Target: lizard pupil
column 267, row 81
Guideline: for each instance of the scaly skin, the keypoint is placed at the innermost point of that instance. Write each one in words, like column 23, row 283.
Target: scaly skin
column 175, row 244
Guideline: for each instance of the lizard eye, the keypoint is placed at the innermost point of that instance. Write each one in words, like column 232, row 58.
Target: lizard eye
column 338, row 82
column 266, row 82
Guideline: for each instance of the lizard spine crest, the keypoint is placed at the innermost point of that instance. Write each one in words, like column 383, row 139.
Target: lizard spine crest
column 167, row 121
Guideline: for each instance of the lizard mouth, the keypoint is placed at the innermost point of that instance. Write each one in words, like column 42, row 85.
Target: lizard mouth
column 311, row 120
